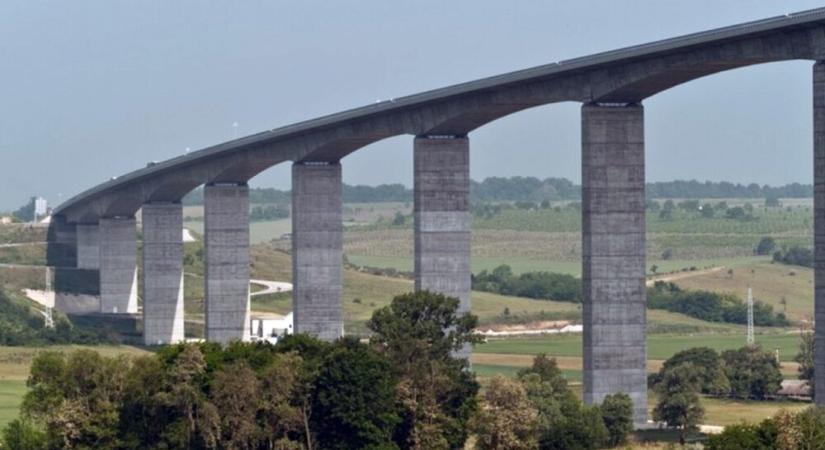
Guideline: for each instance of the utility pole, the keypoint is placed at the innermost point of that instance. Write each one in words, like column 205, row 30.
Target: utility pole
column 750, row 316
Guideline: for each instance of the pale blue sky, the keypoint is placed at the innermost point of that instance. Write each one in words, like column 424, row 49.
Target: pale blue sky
column 92, row 89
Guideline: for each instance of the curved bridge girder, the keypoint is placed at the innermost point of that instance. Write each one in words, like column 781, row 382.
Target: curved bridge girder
column 623, row 76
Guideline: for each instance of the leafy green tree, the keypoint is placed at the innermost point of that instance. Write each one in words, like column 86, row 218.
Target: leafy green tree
column 420, row 333
column 753, row 372
column 21, row 434
column 282, row 385
column 194, row 422
column 710, row 373
column 77, row 398
column 235, row 394
column 506, row 420
column 810, row 424
column 563, row 422
column 805, row 358
column 354, row 400
column 617, row 414
column 678, row 403
column 708, row 211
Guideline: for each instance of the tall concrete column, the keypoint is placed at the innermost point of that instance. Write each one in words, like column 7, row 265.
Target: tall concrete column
column 317, row 249
column 118, row 265
column 613, row 254
column 819, row 232
column 226, row 224
column 88, row 248
column 61, row 250
column 442, row 217
column 162, row 273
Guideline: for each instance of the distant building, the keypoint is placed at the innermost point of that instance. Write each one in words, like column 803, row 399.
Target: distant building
column 41, row 207
column 5, row 220
column 269, row 327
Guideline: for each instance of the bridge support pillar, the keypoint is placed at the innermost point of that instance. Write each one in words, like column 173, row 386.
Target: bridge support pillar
column 317, row 249
column 88, row 248
column 819, row 232
column 613, row 254
column 162, row 273
column 226, row 224
column 118, row 265
column 62, row 243
column 442, row 217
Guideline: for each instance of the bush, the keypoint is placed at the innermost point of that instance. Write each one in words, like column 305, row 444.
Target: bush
column 745, row 437
column 765, row 246
column 795, row 256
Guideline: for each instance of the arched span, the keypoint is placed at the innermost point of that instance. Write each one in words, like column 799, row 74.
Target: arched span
column 622, row 76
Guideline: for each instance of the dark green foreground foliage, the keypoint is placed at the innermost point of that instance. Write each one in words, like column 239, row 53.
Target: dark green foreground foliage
column 404, row 390
column 785, row 431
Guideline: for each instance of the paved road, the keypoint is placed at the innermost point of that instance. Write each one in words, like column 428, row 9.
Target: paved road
column 272, row 287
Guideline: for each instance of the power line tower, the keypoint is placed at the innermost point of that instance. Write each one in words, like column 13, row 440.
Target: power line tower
column 750, row 316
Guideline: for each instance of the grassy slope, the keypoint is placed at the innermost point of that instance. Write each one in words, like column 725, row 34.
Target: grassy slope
column 770, row 282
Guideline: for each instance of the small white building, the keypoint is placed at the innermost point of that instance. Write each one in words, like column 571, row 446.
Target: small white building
column 268, row 327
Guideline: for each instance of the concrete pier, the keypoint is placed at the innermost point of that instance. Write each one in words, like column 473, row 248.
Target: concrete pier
column 613, row 254
column 162, row 273
column 62, row 238
column 442, row 217
column 226, row 224
column 819, row 231
column 118, row 265
column 88, row 248
column 317, row 249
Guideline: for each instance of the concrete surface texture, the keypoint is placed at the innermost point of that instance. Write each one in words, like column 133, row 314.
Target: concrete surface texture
column 162, row 273
column 226, row 242
column 118, row 265
column 613, row 254
column 442, row 216
column 317, row 249
column 819, row 229
column 88, row 250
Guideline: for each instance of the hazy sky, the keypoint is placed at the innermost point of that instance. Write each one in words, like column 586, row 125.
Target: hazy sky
column 92, row 89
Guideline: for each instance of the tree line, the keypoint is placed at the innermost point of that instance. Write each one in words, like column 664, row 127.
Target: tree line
column 532, row 189
column 404, row 389
column 704, row 305
column 711, row 306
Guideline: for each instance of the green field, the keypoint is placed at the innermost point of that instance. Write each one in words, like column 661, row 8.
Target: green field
column 11, row 397
column 658, row 346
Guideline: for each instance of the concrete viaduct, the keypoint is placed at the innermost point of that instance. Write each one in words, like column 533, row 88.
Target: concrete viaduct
column 93, row 234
